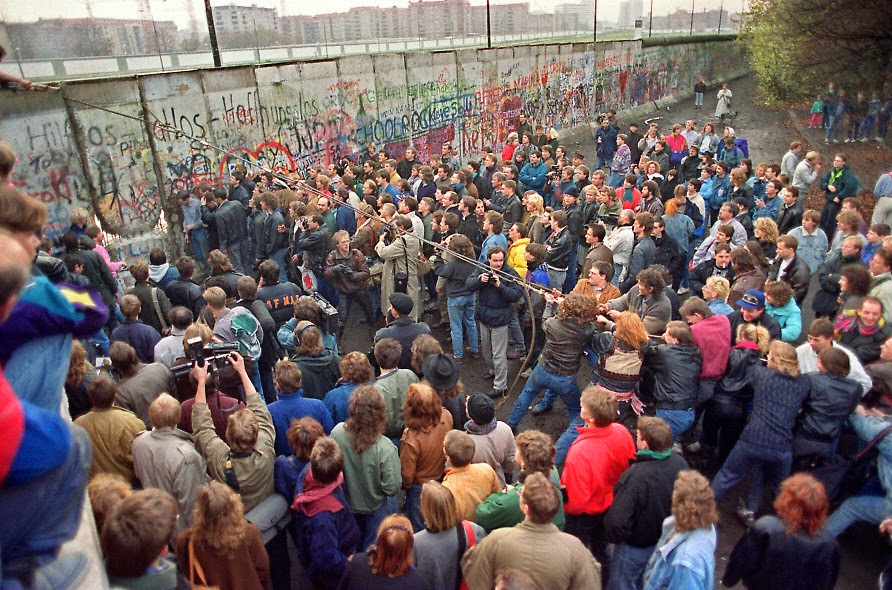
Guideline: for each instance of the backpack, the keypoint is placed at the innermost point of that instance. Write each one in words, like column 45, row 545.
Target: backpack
column 247, row 333
column 741, row 144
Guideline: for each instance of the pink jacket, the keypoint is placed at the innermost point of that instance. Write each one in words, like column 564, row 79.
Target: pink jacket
column 114, row 267
column 713, row 337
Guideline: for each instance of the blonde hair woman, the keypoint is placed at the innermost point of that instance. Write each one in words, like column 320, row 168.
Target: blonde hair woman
column 765, row 448
column 221, row 544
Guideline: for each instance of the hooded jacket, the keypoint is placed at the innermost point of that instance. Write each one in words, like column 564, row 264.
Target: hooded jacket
column 319, row 373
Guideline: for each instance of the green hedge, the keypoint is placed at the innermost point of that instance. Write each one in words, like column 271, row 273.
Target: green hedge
column 664, row 40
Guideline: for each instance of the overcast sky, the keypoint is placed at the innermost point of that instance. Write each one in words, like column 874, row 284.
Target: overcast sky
column 177, row 10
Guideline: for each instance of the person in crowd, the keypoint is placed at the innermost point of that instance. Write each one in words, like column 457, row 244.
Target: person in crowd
column 165, row 458
column 302, row 435
column 111, row 430
column 232, row 226
column 839, row 183
column 826, row 301
column 422, row 455
column 765, row 448
column 717, row 266
column 319, row 366
column 747, row 276
column 223, row 274
column 806, row 172
column 135, row 541
column 642, row 500
column 715, row 293
column 792, row 549
column 248, row 453
column 138, row 383
column 134, row 332
column 685, row 552
column 445, row 539
column 237, row 325
column 292, row 405
column 371, row 462
column 812, row 240
column 279, row 297
column 222, row 544
column 161, row 272
column 327, row 533
column 566, row 337
column 790, row 269
column 881, row 286
column 346, row 268
column 95, row 269
column 461, row 300
column 497, row 291
column 392, row 384
column 645, row 298
column 442, row 373
column 781, row 306
column 594, row 464
column 674, row 368
column 765, row 233
column 536, row 547
column 80, row 374
column 726, row 411
column 470, row 483
column 355, row 371
column 558, row 250
column 308, row 309
column 643, row 251
column 832, row 399
column 403, row 327
column 820, row 337
column 400, row 256
column 789, row 215
column 183, row 291
column 535, row 452
column 172, row 347
column 493, row 440
column 388, row 563
column 864, row 331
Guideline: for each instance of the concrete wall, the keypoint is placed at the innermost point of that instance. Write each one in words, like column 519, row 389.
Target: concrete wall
column 294, row 115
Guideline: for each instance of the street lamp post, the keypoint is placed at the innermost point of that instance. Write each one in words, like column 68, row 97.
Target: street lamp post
column 488, row 27
column 721, row 10
column 650, row 24
column 595, row 37
column 212, row 33
column 692, row 16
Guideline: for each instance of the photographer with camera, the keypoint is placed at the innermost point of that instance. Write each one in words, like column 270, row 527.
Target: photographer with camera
column 312, row 243
column 237, row 325
column 495, row 309
column 348, row 272
column 399, row 249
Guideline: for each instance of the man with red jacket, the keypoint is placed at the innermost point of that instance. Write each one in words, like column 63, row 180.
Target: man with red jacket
column 595, row 462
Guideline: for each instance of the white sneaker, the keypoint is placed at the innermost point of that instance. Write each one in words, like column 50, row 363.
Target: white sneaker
column 684, row 290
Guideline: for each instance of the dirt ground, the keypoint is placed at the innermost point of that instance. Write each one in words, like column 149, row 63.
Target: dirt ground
column 769, row 132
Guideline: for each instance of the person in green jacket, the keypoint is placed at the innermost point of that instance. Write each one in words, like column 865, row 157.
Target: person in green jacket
column 839, row 183
column 535, row 454
column 371, row 463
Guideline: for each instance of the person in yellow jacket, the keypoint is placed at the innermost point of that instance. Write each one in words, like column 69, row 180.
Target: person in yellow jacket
column 517, row 235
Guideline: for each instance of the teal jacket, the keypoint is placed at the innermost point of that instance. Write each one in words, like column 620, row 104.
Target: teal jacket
column 845, row 181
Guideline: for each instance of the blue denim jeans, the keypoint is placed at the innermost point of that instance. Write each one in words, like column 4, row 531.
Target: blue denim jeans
column 515, row 334
column 698, row 99
column 413, row 507
column 101, row 340
column 279, row 257
column 616, row 179
column 679, row 421
column 627, row 567
column 39, row 515
column 461, row 321
column 832, row 129
column 570, row 279
column 764, row 465
column 567, row 388
column 199, row 240
column 368, row 523
column 617, row 271
column 872, row 509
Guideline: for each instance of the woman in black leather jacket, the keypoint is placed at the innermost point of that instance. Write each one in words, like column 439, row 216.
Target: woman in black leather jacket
column 727, row 411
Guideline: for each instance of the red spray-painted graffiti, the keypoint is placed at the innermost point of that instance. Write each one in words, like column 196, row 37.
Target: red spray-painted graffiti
column 270, row 154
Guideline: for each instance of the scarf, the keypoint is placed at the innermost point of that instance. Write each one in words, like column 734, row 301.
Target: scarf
column 472, row 427
column 318, row 498
column 847, row 321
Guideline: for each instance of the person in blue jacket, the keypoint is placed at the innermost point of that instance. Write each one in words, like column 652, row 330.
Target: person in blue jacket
column 605, row 138
column 292, row 405
column 533, row 174
column 327, row 535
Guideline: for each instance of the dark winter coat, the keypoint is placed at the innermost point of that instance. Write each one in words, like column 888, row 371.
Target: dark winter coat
column 495, row 305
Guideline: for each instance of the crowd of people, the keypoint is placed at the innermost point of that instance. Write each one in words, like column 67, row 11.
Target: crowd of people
column 218, row 409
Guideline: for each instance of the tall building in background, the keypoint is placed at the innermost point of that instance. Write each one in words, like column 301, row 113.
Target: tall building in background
column 629, row 12
column 244, row 19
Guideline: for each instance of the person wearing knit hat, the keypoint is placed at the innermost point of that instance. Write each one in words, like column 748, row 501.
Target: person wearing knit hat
column 493, row 440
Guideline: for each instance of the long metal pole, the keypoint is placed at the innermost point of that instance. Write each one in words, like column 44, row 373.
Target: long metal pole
column 650, row 24
column 692, row 16
column 721, row 10
column 488, row 27
column 212, row 33
column 595, row 37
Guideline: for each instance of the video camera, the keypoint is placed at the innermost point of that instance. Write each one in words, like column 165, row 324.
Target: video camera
column 342, row 166
column 216, row 353
column 554, row 172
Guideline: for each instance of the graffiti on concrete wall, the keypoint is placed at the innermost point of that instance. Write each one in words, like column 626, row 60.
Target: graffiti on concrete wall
column 299, row 115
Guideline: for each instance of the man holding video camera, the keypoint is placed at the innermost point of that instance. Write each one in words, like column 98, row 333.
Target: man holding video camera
column 311, row 247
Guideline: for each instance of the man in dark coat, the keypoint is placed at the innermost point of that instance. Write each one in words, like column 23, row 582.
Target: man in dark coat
column 402, row 328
